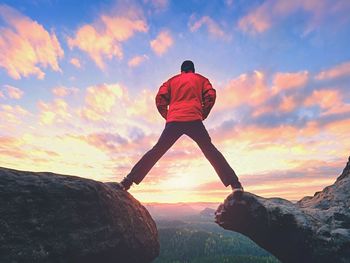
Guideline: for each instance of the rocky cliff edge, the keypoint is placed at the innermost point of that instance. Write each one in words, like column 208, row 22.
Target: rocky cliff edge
column 314, row 229
column 46, row 217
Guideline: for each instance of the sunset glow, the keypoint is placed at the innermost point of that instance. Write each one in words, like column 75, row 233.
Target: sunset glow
column 78, row 84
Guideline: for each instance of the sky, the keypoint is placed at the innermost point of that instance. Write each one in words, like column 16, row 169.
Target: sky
column 78, row 81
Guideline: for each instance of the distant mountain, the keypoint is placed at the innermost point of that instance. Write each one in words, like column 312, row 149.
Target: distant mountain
column 173, row 211
column 208, row 212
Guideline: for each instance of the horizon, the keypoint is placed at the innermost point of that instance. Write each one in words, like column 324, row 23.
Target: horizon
column 78, row 83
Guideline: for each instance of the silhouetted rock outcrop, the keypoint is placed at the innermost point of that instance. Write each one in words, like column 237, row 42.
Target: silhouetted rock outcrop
column 46, row 217
column 315, row 229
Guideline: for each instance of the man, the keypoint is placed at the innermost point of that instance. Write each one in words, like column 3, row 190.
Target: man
column 184, row 101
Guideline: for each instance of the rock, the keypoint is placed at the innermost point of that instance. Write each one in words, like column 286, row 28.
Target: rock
column 46, row 217
column 315, row 229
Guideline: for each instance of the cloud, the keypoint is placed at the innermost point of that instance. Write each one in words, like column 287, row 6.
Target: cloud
column 285, row 81
column 137, row 60
column 100, row 100
column 55, row 112
column 11, row 115
column 272, row 12
column 75, row 62
column 11, row 147
column 103, row 39
column 257, row 21
column 330, row 101
column 162, row 42
column 26, row 47
column 158, row 5
column 106, row 141
column 13, row 92
column 338, row 71
column 247, row 89
column 212, row 27
column 288, row 104
column 324, row 98
column 62, row 91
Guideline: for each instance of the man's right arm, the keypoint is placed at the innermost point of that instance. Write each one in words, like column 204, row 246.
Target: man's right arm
column 209, row 96
column 163, row 99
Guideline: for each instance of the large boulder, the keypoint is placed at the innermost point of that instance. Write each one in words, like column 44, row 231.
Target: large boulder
column 315, row 229
column 46, row 217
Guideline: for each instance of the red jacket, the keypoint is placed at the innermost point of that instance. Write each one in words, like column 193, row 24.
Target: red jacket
column 185, row 97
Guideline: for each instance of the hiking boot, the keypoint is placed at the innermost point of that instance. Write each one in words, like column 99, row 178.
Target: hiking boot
column 125, row 184
column 237, row 190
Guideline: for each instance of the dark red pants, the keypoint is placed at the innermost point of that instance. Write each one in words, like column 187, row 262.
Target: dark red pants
column 170, row 134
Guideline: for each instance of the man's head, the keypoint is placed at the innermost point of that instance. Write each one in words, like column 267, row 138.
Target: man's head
column 187, row 66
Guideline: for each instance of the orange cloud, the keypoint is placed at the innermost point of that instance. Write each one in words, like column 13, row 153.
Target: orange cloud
column 64, row 91
column 103, row 39
column 338, row 71
column 212, row 27
column 13, row 92
column 75, row 62
column 56, row 112
column 284, row 81
column 162, row 42
column 144, row 102
column 137, row 60
column 11, row 115
column 100, row 100
column 26, row 47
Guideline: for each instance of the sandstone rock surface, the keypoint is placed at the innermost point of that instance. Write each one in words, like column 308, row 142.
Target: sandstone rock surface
column 46, row 217
column 315, row 229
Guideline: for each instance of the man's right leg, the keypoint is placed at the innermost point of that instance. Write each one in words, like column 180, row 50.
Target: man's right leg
column 168, row 137
column 199, row 134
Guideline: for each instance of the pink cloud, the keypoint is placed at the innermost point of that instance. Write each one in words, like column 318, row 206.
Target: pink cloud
column 106, row 141
column 162, row 42
column 62, row 91
column 26, row 47
column 324, row 98
column 287, row 104
column 272, row 12
column 247, row 89
column 137, row 60
column 102, row 40
column 13, row 92
column 2, row 94
column 75, row 62
column 212, row 27
column 335, row 72
column 285, row 81
column 330, row 101
column 256, row 21
column 11, row 147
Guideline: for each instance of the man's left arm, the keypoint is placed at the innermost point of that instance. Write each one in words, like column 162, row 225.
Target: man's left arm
column 163, row 99
column 209, row 97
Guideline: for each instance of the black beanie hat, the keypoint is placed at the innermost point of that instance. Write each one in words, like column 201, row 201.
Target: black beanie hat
column 187, row 66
